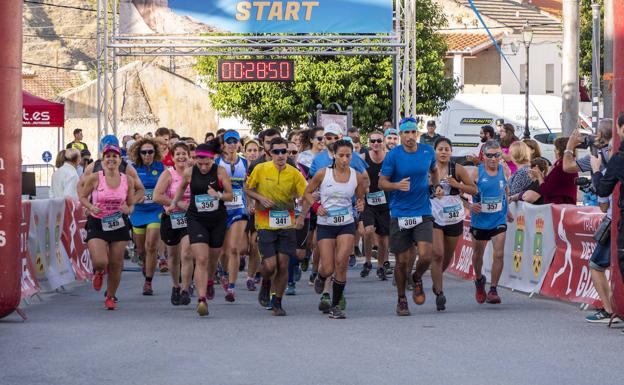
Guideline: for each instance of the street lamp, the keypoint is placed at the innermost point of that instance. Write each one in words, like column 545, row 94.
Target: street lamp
column 527, row 37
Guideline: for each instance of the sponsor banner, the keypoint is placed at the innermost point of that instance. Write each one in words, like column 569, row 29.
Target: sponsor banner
column 568, row 277
column 73, row 237
column 30, row 286
column 241, row 16
column 52, row 265
column 476, row 121
column 461, row 264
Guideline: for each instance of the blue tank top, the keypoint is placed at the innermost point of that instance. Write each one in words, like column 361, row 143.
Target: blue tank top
column 493, row 198
column 238, row 174
column 147, row 212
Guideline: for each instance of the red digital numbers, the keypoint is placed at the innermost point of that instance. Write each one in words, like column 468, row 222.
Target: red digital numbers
column 256, row 70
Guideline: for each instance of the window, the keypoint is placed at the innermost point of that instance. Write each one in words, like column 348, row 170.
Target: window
column 550, row 79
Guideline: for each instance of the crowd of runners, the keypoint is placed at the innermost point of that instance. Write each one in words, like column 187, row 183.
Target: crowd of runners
column 271, row 207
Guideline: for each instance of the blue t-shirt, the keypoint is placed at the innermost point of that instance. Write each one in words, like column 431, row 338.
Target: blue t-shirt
column 322, row 160
column 492, row 195
column 146, row 213
column 400, row 164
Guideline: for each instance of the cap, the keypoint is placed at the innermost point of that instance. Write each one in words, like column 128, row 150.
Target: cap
column 111, row 147
column 500, row 122
column 130, row 143
column 348, row 139
column 408, row 124
column 231, row 134
column 391, row 131
column 108, row 140
column 333, row 128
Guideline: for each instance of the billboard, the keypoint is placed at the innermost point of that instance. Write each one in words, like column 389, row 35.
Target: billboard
column 141, row 17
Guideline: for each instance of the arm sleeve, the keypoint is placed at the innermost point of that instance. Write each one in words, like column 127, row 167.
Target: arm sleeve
column 606, row 183
column 387, row 167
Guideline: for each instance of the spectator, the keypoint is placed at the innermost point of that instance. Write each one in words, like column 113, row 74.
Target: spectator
column 316, row 143
column 391, row 138
column 539, row 168
column 507, row 137
column 221, row 131
column 137, row 136
column 209, row 136
column 65, row 178
column 354, row 133
column 603, row 136
column 486, row 133
column 520, row 180
column 430, row 136
column 164, row 135
column 387, row 124
column 77, row 143
column 500, row 123
column 173, row 139
column 295, row 137
column 60, row 159
column 558, row 186
column 85, row 160
column 536, row 151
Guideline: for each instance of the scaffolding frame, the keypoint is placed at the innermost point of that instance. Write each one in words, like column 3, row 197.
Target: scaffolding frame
column 111, row 46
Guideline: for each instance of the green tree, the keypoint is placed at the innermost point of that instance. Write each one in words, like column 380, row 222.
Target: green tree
column 364, row 82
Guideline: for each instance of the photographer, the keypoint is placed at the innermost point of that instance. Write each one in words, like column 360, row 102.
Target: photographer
column 597, row 145
column 605, row 184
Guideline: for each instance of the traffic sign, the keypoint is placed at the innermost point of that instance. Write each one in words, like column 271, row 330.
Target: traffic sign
column 46, row 156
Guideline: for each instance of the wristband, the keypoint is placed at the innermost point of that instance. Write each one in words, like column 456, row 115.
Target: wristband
column 568, row 152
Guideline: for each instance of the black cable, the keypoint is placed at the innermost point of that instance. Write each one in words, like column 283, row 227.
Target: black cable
column 55, row 67
column 61, row 36
column 62, row 6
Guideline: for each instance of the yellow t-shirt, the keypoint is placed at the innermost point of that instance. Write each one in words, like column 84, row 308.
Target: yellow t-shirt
column 281, row 187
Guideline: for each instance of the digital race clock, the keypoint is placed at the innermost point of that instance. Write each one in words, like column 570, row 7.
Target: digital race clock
column 256, row 70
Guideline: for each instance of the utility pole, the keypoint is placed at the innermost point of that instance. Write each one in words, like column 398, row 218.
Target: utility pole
column 595, row 65
column 607, row 92
column 570, row 75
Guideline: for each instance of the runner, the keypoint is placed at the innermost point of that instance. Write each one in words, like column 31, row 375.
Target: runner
column 252, row 152
column 106, row 196
column 274, row 185
column 405, row 174
column 488, row 219
column 376, row 216
column 448, row 214
column 173, row 225
column 237, row 215
column 391, row 138
column 206, row 216
column 335, row 221
column 317, row 144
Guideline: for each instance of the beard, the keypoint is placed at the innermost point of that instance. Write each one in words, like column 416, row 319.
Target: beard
column 483, row 140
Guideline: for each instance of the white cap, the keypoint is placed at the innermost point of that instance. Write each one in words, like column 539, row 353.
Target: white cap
column 333, row 128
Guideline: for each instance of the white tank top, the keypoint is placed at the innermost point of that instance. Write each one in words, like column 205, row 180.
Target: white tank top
column 337, row 199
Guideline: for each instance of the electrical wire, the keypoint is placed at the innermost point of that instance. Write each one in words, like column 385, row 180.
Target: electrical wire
column 60, row 5
column 55, row 67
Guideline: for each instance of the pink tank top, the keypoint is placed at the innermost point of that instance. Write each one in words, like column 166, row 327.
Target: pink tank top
column 176, row 181
column 109, row 199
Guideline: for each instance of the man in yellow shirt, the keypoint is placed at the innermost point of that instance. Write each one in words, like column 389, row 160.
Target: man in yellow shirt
column 274, row 185
column 77, row 142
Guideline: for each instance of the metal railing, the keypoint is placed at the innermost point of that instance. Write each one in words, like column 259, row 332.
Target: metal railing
column 43, row 173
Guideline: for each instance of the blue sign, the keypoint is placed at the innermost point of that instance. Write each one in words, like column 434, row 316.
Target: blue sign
column 284, row 16
column 46, row 156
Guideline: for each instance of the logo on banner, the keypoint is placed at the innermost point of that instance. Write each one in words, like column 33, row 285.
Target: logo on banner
column 518, row 244
column 537, row 247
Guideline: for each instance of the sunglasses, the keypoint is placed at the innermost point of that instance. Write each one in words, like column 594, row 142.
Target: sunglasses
column 293, row 152
column 147, row 152
column 331, row 137
column 376, row 140
column 279, row 151
column 319, row 138
column 490, row 156
column 232, row 141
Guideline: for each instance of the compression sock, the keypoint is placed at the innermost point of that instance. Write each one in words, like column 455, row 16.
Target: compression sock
column 337, row 290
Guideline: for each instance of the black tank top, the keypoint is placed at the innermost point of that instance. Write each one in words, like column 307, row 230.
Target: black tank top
column 199, row 187
column 373, row 170
column 452, row 173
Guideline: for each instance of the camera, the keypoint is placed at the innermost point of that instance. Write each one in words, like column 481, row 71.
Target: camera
column 589, row 141
column 585, row 185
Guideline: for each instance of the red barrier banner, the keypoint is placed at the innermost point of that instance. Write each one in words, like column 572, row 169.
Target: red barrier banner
column 568, row 277
column 73, row 237
column 30, row 286
column 461, row 264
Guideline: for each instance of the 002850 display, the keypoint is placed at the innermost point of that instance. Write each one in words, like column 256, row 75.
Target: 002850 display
column 256, row 70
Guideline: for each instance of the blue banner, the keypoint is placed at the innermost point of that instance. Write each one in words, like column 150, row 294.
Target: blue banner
column 289, row 16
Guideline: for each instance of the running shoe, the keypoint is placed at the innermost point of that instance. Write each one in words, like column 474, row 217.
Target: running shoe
column 388, row 268
column 202, row 307
column 305, row 263
column 175, row 296
column 402, row 309
column 366, row 268
column 114, row 297
column 278, row 311
column 440, row 301
column 319, row 285
column 290, row 290
column 312, row 278
column 352, row 260
column 480, row 294
column 492, row 296
column 271, row 302
column 325, row 303
column 185, row 298
column 225, row 282
column 342, row 304
column 251, row 284
column 230, row 295
column 263, row 295
column 336, row 313
column 210, row 290
column 163, row 265
column 241, row 263
column 419, row 294
column 109, row 303
column 297, row 275
column 381, row 274
column 258, row 278
column 147, row 288
column 98, row 280
column 601, row 316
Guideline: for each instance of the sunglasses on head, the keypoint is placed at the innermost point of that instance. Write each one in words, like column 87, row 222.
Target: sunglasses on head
column 232, row 141
column 490, row 156
column 279, row 151
column 376, row 140
column 147, row 152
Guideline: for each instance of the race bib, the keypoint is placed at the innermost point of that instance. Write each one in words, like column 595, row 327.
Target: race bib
column 279, row 219
column 178, row 220
column 112, row 222
column 452, row 214
column 237, row 200
column 149, row 195
column 339, row 217
column 376, row 198
column 491, row 205
column 206, row 203
column 406, row 223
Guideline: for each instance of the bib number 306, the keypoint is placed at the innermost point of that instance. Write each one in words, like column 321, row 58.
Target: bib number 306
column 406, row 223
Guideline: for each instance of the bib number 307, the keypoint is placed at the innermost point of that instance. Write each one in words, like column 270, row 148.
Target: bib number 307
column 406, row 223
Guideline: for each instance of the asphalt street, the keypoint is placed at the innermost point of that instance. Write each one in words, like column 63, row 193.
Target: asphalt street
column 70, row 338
